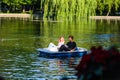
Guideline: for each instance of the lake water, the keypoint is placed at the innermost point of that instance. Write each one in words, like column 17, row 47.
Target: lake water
column 20, row 38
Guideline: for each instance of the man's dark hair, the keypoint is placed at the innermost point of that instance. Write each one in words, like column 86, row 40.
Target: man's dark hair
column 71, row 37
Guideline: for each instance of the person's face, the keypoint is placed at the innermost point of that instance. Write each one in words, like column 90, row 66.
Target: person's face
column 62, row 39
column 70, row 39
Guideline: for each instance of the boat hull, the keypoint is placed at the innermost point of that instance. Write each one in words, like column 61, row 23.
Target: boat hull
column 63, row 54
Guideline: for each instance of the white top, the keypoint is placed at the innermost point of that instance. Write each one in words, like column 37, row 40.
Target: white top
column 53, row 47
column 60, row 44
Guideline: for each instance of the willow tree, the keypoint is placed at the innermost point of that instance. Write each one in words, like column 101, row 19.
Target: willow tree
column 68, row 9
column 112, row 3
column 107, row 5
column 100, row 6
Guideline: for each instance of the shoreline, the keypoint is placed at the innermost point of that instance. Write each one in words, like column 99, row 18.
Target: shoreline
column 14, row 15
column 105, row 17
column 20, row 15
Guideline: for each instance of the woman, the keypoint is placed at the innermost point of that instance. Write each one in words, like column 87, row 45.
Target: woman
column 53, row 47
column 61, row 42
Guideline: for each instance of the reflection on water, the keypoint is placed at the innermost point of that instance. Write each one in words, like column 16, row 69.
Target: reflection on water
column 20, row 38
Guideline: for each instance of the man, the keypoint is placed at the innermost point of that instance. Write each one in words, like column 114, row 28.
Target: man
column 70, row 46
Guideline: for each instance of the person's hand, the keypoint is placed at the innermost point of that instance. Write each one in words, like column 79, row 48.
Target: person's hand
column 71, row 50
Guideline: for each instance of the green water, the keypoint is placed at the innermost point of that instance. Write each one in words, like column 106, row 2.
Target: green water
column 19, row 38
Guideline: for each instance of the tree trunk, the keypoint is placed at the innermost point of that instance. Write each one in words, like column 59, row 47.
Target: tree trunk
column 23, row 9
column 109, row 11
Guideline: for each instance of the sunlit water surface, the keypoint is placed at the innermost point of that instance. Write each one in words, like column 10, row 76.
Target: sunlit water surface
column 20, row 38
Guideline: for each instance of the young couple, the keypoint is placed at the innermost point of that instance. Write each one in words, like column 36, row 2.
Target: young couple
column 70, row 46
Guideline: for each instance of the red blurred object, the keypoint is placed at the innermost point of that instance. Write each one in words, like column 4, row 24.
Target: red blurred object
column 98, row 57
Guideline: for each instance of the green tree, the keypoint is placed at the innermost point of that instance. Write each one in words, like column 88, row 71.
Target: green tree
column 26, row 2
column 107, row 5
column 10, row 3
column 13, row 4
column 68, row 9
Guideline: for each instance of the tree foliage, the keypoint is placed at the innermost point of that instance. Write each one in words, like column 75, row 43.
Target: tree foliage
column 13, row 4
column 77, row 8
column 67, row 9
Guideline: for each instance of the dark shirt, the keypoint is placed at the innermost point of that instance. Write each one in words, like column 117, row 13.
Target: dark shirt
column 71, row 45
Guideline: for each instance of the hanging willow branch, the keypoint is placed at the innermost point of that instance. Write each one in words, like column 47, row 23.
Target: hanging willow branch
column 70, row 9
